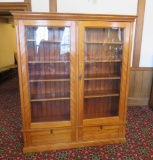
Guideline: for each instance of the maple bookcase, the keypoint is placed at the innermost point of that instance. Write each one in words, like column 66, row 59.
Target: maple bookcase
column 73, row 74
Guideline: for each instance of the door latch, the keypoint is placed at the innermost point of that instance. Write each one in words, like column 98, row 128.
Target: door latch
column 80, row 77
column 51, row 131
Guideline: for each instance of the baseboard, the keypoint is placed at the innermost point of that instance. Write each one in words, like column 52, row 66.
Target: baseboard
column 140, row 101
column 57, row 146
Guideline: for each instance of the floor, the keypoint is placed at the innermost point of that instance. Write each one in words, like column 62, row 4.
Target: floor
column 139, row 134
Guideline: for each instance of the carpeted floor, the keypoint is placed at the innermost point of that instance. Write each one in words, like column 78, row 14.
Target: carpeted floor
column 139, row 145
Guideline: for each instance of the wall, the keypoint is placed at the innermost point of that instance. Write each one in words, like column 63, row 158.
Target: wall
column 126, row 7
column 146, row 55
column 36, row 5
column 7, row 44
column 98, row 6
column 141, row 77
column 86, row 6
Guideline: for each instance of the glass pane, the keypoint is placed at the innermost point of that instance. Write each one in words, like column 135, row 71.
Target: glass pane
column 50, row 111
column 102, row 70
column 49, row 90
column 104, row 34
column 50, row 71
column 103, row 49
column 103, row 44
column 101, row 107
column 101, row 87
column 48, row 51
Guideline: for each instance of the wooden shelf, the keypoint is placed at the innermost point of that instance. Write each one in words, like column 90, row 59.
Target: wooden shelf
column 51, row 118
column 100, row 115
column 48, row 62
column 102, row 76
column 45, row 78
column 93, row 42
column 105, row 60
column 50, row 97
column 51, row 41
column 87, row 42
column 48, row 41
column 31, row 40
column 104, row 93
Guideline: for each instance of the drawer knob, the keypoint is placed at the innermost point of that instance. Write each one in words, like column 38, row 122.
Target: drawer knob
column 101, row 127
column 51, row 131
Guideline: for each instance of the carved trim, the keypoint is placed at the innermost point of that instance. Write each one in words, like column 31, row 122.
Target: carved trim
column 15, row 6
column 64, row 16
column 141, row 101
column 27, row 1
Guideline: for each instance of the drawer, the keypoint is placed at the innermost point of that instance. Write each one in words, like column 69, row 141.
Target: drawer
column 99, row 132
column 52, row 136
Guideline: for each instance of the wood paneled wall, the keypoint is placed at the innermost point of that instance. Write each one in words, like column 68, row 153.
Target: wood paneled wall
column 140, row 86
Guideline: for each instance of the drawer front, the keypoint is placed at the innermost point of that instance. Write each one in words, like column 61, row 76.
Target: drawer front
column 52, row 136
column 99, row 132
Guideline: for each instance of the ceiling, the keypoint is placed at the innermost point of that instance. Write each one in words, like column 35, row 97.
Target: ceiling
column 6, row 17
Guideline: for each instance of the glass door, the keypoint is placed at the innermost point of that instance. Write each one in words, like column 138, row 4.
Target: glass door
column 103, row 58
column 50, row 53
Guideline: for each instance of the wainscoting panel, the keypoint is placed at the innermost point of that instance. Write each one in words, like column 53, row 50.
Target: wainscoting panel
column 140, row 86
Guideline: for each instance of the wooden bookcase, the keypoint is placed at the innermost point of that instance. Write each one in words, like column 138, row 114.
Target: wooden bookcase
column 74, row 73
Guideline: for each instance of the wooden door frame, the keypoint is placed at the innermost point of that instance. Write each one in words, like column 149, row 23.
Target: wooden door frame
column 138, row 33
column 53, row 5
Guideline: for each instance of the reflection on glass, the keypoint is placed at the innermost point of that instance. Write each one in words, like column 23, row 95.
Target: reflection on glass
column 97, row 52
column 65, row 43
column 50, row 43
column 104, row 34
column 103, row 44
column 41, row 34
column 49, row 71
